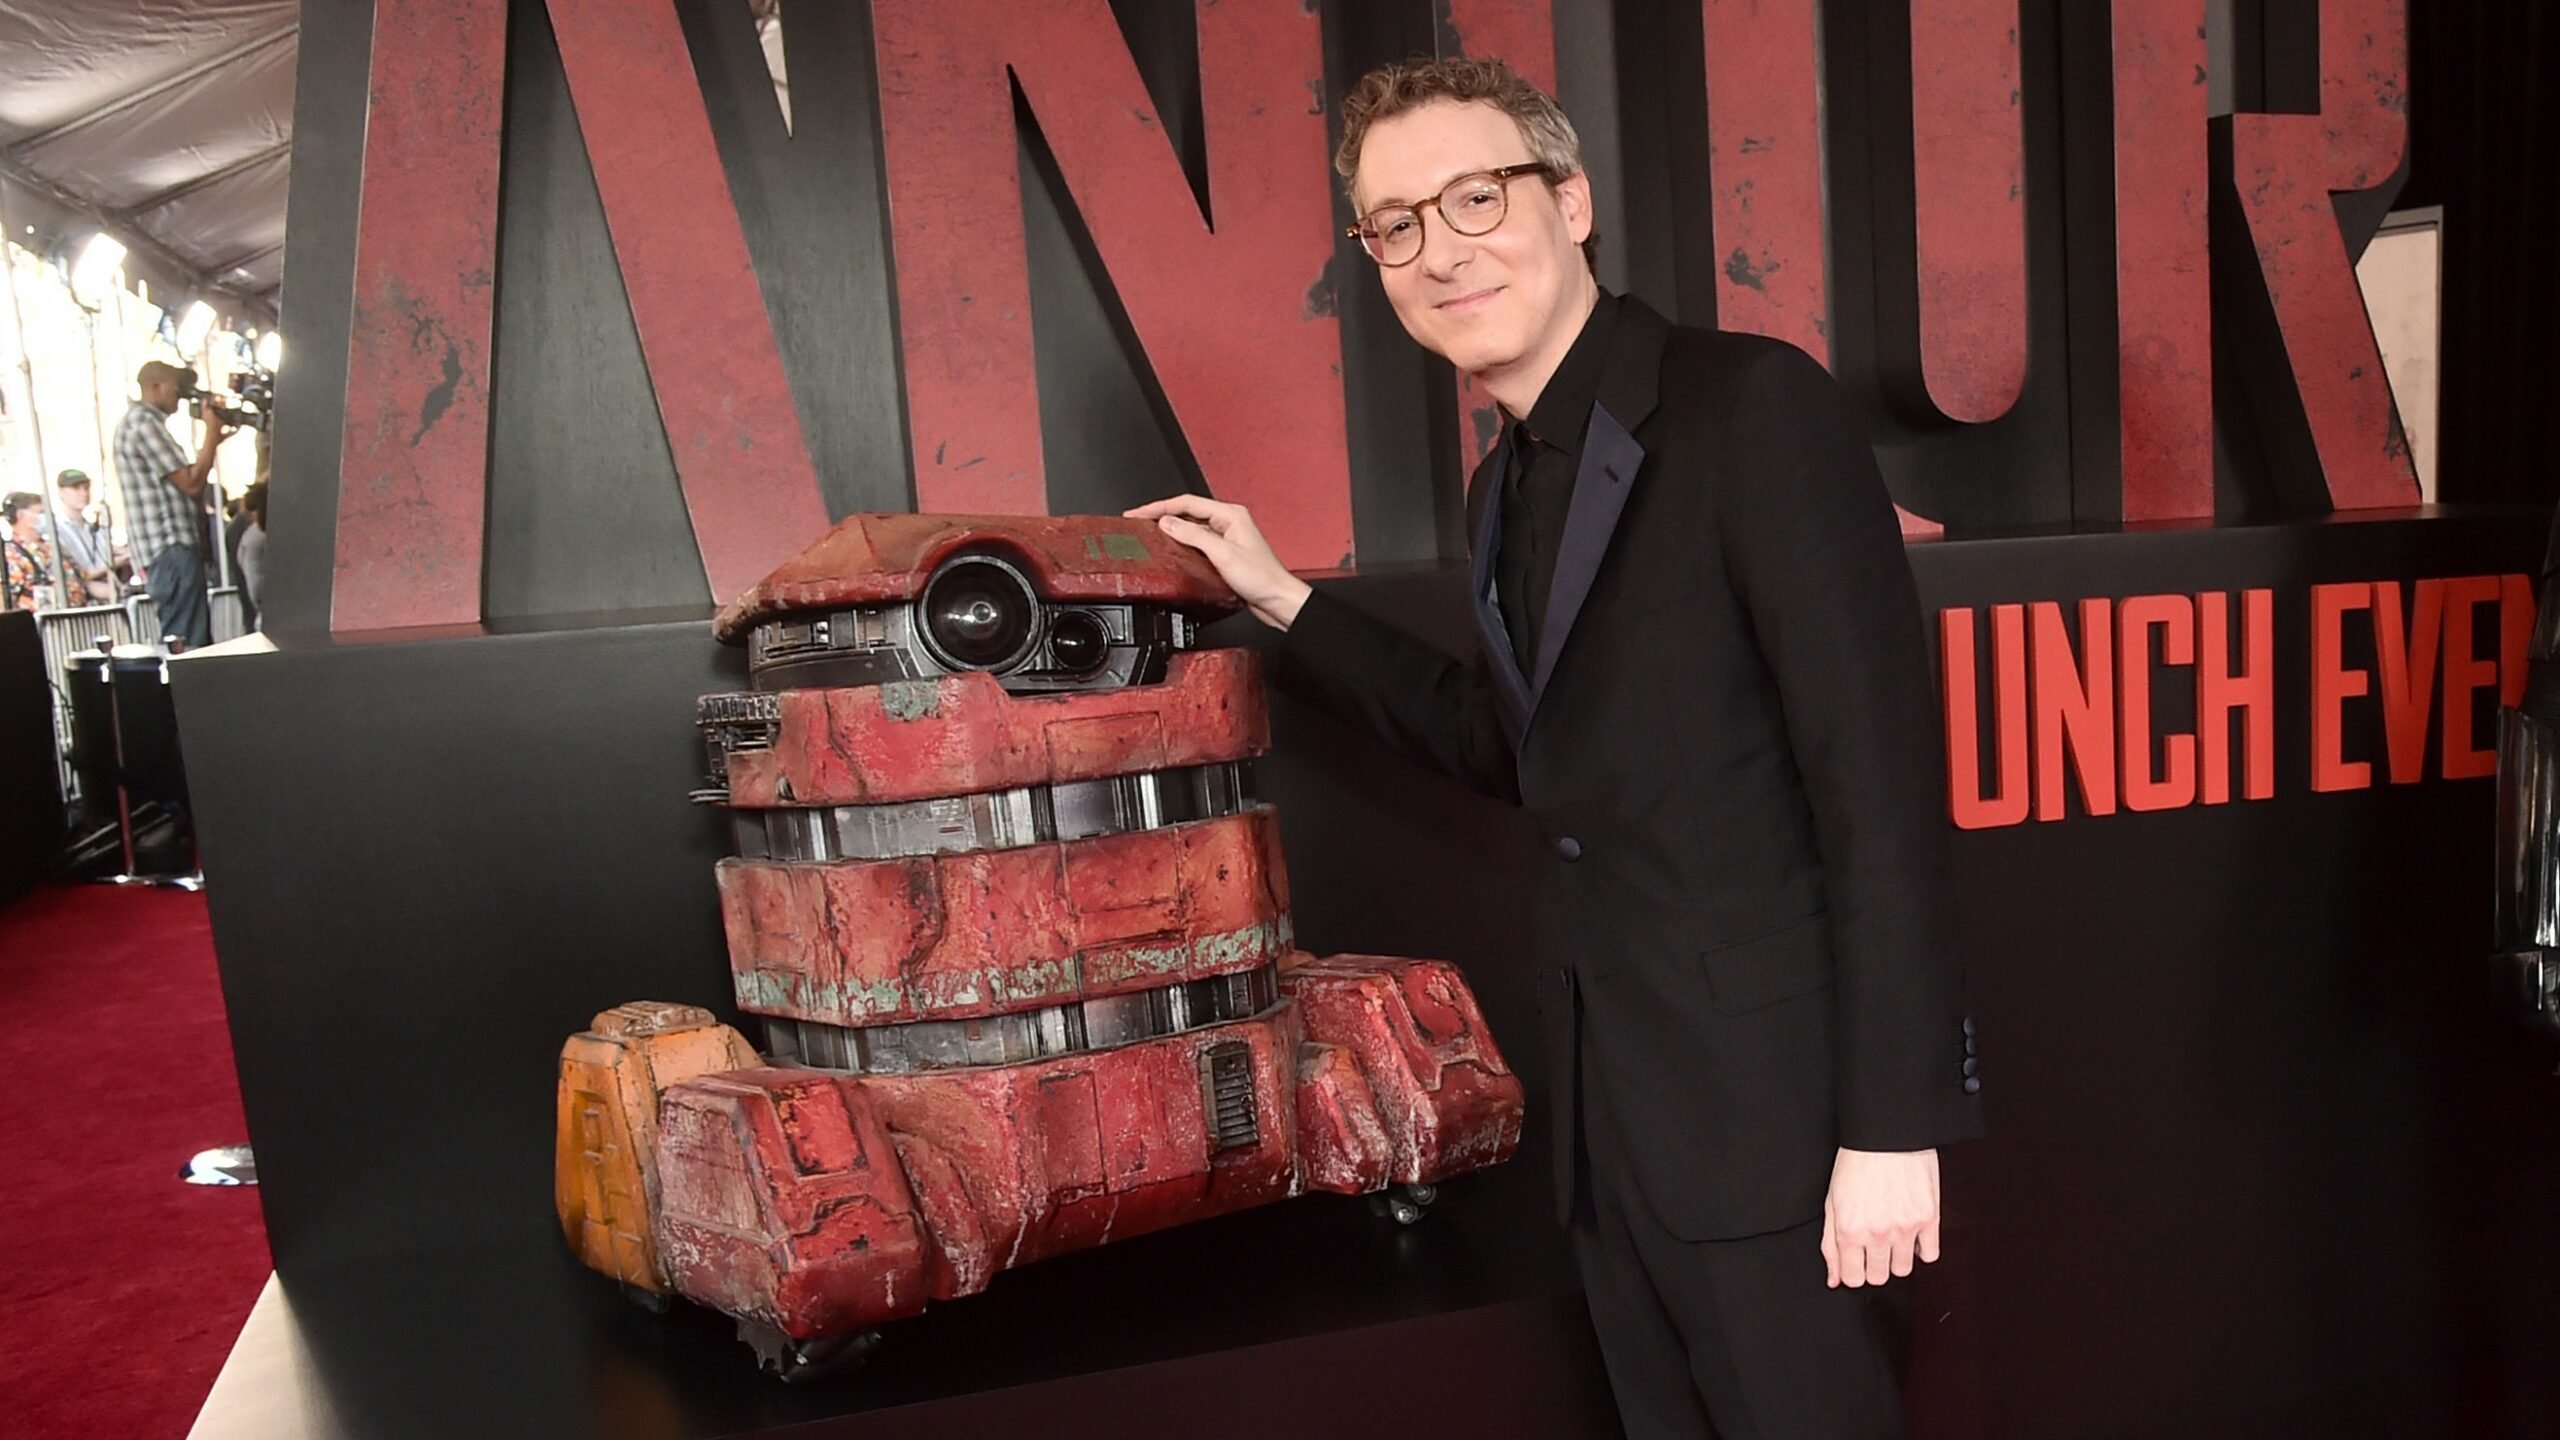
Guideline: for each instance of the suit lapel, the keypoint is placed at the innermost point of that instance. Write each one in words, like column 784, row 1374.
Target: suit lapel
column 1491, row 633
column 1629, row 390
column 1610, row 459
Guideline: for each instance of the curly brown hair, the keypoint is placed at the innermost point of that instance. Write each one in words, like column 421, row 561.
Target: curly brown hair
column 1392, row 90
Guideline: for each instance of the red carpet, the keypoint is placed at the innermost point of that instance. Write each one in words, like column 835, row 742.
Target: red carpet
column 120, row 1288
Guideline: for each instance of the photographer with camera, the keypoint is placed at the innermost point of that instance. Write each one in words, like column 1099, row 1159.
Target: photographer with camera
column 165, row 499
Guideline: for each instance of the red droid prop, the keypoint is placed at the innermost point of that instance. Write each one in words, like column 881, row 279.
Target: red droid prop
column 1018, row 934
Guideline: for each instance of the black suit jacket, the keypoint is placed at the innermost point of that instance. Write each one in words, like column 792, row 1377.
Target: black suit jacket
column 1730, row 736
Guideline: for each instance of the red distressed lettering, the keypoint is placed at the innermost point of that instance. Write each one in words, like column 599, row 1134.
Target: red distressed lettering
column 2074, row 703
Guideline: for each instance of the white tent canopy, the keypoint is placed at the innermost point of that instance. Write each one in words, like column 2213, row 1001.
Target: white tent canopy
column 168, row 123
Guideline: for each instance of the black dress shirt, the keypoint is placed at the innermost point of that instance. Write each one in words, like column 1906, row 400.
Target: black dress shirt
column 1546, row 450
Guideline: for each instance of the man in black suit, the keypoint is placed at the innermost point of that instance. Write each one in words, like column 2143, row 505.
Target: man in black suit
column 1702, row 669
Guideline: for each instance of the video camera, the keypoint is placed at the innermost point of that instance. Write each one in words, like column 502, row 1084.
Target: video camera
column 255, row 389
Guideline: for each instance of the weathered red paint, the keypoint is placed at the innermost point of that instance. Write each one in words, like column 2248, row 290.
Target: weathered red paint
column 781, row 1198
column 1764, row 142
column 1522, row 34
column 1342, row 1140
column 1253, row 379
column 820, row 1201
column 1969, row 164
column 963, row 734
column 1063, row 1155
column 869, row 559
column 1764, row 138
column 1446, row 1102
column 2287, row 168
column 2164, row 293
column 748, row 481
column 953, row 937
column 783, row 1203
column 414, row 459
column 780, row 1204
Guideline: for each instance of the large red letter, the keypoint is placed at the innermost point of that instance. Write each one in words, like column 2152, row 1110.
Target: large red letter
column 740, row 456
column 2404, row 652
column 2075, row 708
column 2332, row 685
column 1764, row 148
column 2466, row 672
column 2175, row 617
column 2287, row 168
column 2164, row 292
column 2006, row 805
column 1969, row 164
column 1235, row 319
column 2250, row 690
column 413, row 469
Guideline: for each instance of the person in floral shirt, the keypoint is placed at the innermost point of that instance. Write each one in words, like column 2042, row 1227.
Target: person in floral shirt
column 31, row 579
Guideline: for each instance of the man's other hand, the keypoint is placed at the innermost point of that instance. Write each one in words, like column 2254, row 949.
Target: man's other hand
column 1881, row 1214
column 1227, row 535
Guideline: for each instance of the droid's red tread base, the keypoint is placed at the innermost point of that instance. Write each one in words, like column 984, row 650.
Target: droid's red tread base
column 955, row 937
column 1436, row 1082
column 781, row 1199
column 963, row 734
column 872, row 559
column 820, row 1202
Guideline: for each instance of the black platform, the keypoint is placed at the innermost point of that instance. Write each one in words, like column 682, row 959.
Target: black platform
column 1315, row 1318
column 2264, row 1161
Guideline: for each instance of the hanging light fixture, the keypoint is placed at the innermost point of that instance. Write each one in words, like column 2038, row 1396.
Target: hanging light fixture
column 94, row 273
column 194, row 330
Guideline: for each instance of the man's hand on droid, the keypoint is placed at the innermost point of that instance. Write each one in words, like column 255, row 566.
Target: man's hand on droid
column 1881, row 1214
column 1227, row 535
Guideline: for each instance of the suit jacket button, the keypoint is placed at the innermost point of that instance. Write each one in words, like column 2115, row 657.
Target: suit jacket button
column 1973, row 1084
column 1568, row 848
column 1972, row 1067
column 1968, row 1027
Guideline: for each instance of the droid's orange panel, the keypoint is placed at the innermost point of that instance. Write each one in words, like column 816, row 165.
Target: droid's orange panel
column 952, row 937
column 873, row 559
column 963, row 734
column 604, row 1175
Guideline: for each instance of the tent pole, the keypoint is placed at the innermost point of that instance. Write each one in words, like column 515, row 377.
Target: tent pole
column 35, row 413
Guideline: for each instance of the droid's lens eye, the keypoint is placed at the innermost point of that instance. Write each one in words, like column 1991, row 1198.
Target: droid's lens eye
column 1077, row 643
column 978, row 613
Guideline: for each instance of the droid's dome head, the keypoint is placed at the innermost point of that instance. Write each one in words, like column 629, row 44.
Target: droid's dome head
column 1042, row 603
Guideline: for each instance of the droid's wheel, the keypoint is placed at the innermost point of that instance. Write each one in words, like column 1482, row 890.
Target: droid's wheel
column 806, row 1362
column 1404, row 1204
column 656, row 1302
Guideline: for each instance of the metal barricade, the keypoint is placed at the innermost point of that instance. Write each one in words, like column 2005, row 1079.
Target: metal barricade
column 230, row 613
column 67, row 633
column 142, row 615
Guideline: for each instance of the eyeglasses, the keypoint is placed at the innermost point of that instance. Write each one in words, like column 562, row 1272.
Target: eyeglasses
column 1471, row 204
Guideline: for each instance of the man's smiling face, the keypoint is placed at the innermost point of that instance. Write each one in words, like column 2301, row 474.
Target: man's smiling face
column 1484, row 302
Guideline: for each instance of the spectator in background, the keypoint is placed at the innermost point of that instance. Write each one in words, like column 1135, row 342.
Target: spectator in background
column 29, row 583
column 253, row 551
column 165, row 500
column 83, row 547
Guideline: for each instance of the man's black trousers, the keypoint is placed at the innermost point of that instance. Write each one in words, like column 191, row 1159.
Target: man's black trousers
column 1732, row 1339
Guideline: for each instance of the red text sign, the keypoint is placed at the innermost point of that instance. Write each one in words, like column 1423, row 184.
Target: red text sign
column 2074, row 694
